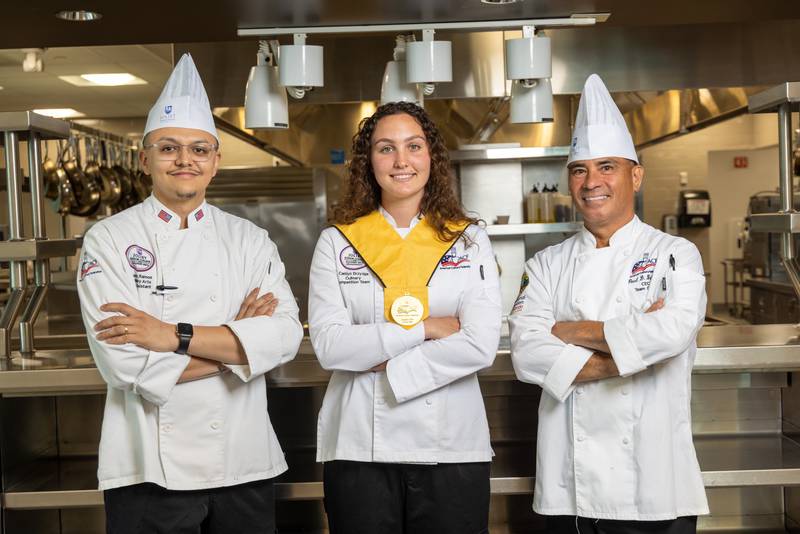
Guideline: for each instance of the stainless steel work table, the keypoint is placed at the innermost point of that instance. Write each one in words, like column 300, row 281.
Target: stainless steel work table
column 750, row 460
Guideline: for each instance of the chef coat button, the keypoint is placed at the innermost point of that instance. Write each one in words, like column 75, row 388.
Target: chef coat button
column 428, row 402
column 381, row 402
column 579, row 391
column 625, row 441
column 578, row 300
column 619, row 298
column 206, row 235
column 624, row 391
column 581, row 438
column 169, row 298
column 166, row 428
column 215, row 425
column 213, row 298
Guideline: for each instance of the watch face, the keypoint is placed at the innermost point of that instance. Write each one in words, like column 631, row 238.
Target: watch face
column 185, row 329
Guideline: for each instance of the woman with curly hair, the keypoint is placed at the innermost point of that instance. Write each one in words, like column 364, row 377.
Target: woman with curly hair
column 404, row 308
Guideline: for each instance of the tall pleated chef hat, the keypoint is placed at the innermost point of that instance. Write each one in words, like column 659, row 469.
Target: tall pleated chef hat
column 600, row 131
column 183, row 102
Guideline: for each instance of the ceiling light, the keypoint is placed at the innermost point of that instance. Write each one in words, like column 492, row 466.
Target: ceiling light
column 499, row 2
column 300, row 66
column 529, row 65
column 429, row 62
column 265, row 102
column 395, row 86
column 79, row 15
column 531, row 101
column 59, row 113
column 105, row 79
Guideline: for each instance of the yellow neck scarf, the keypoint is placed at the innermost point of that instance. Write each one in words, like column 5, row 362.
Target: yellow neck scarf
column 404, row 266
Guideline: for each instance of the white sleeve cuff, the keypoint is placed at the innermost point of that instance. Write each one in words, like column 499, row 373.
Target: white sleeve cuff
column 559, row 379
column 159, row 376
column 267, row 342
column 627, row 357
column 409, row 375
column 398, row 339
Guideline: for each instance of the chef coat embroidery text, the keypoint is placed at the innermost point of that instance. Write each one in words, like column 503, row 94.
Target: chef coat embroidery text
column 143, row 281
column 140, row 259
column 642, row 272
column 351, row 259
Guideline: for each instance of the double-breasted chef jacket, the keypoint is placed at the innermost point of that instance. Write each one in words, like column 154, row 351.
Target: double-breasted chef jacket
column 427, row 407
column 618, row 448
column 206, row 433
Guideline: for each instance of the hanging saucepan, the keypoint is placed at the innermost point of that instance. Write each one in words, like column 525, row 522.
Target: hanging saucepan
column 92, row 168
column 142, row 192
column 145, row 179
column 128, row 192
column 65, row 199
column 87, row 194
column 49, row 175
column 111, row 191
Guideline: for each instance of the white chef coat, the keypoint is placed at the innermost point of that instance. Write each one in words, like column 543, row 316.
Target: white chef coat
column 427, row 407
column 619, row 448
column 206, row 433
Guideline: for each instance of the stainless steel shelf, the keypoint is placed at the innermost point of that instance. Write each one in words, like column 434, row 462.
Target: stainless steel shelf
column 503, row 230
column 509, row 153
column 770, row 99
column 25, row 121
column 32, row 249
column 721, row 349
column 775, row 222
column 760, row 460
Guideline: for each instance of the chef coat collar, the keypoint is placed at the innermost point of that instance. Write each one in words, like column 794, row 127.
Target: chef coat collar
column 170, row 220
column 621, row 237
column 414, row 220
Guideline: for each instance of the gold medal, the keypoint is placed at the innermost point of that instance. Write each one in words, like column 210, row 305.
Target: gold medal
column 407, row 310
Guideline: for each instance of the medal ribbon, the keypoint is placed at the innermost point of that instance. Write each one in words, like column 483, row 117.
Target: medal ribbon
column 403, row 265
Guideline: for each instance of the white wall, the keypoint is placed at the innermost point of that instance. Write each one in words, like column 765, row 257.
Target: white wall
column 730, row 189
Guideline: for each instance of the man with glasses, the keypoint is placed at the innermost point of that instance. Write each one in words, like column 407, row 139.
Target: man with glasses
column 186, row 308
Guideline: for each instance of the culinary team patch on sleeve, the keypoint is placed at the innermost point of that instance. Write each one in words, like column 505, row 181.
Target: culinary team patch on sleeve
column 520, row 302
column 89, row 266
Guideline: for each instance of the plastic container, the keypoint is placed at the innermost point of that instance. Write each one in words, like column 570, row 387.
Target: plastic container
column 532, row 205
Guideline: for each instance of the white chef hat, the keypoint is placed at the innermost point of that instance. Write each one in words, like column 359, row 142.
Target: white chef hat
column 600, row 131
column 183, row 102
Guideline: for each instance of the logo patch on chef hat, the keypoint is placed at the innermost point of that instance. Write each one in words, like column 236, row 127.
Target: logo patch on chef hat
column 169, row 113
column 140, row 259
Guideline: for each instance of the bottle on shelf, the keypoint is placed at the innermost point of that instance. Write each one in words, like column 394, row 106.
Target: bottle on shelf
column 532, row 205
column 546, row 209
column 563, row 207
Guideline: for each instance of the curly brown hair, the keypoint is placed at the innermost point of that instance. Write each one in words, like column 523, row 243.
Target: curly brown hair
column 363, row 194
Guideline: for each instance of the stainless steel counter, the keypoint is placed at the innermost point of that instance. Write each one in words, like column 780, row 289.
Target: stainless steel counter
column 721, row 349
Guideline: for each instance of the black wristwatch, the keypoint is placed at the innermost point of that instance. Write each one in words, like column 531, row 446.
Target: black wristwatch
column 185, row 331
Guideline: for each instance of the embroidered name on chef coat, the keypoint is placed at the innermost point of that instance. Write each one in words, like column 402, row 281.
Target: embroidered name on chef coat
column 352, row 267
column 453, row 260
column 642, row 272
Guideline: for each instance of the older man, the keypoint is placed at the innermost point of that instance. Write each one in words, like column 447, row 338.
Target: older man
column 186, row 307
column 606, row 324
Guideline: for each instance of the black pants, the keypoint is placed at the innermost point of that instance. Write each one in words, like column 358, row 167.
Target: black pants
column 377, row 498
column 569, row 524
column 150, row 509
